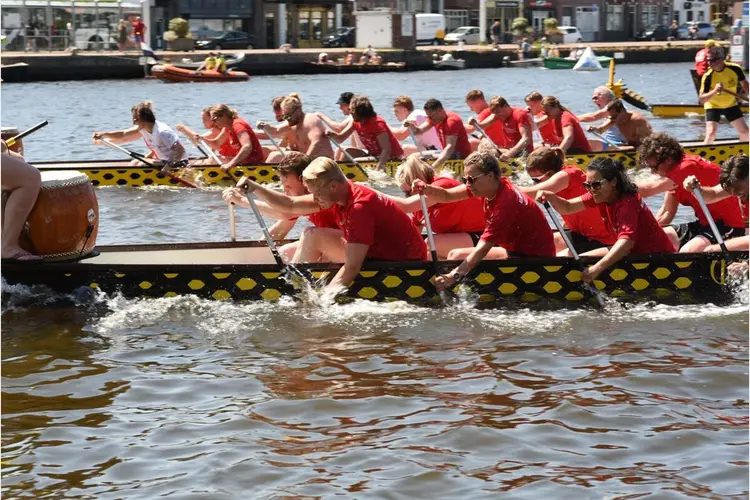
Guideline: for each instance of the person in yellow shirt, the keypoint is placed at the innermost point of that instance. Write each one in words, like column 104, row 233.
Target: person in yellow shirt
column 208, row 64
column 221, row 63
column 722, row 76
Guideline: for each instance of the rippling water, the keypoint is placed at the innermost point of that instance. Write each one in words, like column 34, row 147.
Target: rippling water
column 197, row 399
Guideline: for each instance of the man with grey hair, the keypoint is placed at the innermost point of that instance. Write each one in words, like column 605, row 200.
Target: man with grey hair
column 602, row 96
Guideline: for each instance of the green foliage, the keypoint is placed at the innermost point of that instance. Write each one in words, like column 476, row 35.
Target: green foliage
column 550, row 26
column 180, row 27
column 520, row 24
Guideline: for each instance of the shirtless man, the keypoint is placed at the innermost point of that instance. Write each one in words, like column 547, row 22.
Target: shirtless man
column 285, row 142
column 307, row 129
column 602, row 97
column 633, row 126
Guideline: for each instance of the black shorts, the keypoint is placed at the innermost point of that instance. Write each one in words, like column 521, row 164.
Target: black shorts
column 690, row 230
column 582, row 244
column 475, row 237
column 576, row 151
column 732, row 114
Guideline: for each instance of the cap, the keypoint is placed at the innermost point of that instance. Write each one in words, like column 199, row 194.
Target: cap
column 710, row 43
column 345, row 98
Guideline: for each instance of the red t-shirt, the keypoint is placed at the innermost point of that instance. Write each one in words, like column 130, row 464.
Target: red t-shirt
column 232, row 145
column 579, row 136
column 701, row 61
column 495, row 129
column 368, row 132
column 139, row 28
column 324, row 218
column 707, row 173
column 372, row 219
column 452, row 125
column 744, row 208
column 629, row 218
column 465, row 216
column 519, row 118
column 515, row 222
column 588, row 222
column 548, row 132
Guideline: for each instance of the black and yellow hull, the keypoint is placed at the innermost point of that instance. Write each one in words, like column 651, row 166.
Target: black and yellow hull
column 682, row 110
column 121, row 173
column 245, row 271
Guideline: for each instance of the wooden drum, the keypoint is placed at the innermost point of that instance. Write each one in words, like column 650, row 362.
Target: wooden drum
column 8, row 133
column 65, row 219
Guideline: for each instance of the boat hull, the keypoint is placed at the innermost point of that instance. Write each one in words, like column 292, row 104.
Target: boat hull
column 171, row 73
column 682, row 110
column 563, row 63
column 245, row 271
column 121, row 173
column 358, row 68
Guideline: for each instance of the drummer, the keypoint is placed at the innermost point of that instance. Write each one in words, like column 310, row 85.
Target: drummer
column 23, row 182
column 162, row 141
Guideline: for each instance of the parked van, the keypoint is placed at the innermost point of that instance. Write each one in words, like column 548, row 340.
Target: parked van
column 430, row 29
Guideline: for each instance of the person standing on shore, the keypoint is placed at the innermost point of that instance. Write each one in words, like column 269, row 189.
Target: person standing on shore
column 122, row 35
column 495, row 31
column 139, row 31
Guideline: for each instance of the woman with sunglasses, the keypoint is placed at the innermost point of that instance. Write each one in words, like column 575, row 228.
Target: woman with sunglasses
column 162, row 141
column 515, row 226
column 237, row 142
column 373, row 131
column 586, row 229
column 456, row 225
column 615, row 196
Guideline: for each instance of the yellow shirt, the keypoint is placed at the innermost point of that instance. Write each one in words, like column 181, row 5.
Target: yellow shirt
column 210, row 62
column 729, row 77
column 221, row 65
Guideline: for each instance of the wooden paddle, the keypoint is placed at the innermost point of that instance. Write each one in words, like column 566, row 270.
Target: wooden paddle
column 143, row 160
column 433, row 249
column 719, row 239
column 273, row 141
column 736, row 95
column 484, row 134
column 600, row 300
column 10, row 142
column 340, row 148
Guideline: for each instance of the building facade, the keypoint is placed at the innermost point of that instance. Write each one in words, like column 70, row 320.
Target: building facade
column 613, row 20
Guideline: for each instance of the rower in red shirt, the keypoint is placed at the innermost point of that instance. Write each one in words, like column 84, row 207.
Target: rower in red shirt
column 665, row 157
column 542, row 122
column 701, row 57
column 450, row 129
column 237, row 142
column 290, row 174
column 372, row 130
column 572, row 137
column 478, row 105
column 514, row 225
column 586, row 229
column 517, row 133
column 615, row 196
column 456, row 225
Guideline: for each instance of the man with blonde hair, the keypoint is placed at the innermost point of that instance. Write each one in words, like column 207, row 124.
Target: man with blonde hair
column 309, row 132
column 371, row 225
column 403, row 108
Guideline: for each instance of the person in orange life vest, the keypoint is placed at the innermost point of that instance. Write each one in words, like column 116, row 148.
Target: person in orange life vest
column 567, row 126
column 615, row 196
column 517, row 135
column 542, row 122
column 450, row 129
column 162, row 141
column 373, row 131
column 371, row 225
column 478, row 105
column 665, row 157
column 290, row 174
column 733, row 181
column 586, row 229
column 455, row 225
column 237, row 142
column 515, row 226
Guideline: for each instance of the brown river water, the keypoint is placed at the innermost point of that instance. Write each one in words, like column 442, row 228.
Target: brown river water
column 185, row 398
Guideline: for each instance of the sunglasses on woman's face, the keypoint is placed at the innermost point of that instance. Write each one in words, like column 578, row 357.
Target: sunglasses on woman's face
column 593, row 186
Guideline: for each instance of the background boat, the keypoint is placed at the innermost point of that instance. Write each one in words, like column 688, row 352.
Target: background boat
column 563, row 63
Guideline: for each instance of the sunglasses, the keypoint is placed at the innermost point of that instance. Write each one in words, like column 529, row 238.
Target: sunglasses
column 471, row 180
column 593, row 186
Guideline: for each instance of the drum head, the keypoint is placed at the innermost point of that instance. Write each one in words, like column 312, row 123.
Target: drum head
column 9, row 131
column 52, row 179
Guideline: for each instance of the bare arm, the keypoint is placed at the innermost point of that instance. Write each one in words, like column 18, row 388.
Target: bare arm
column 217, row 140
column 446, row 153
column 619, row 251
column 522, row 143
column 593, row 116
column 412, row 203
column 668, row 209
column 563, row 206
column 439, row 195
column 401, row 133
column 337, row 127
column 343, row 134
column 298, row 205
column 281, row 228
column 119, row 136
column 608, row 123
column 489, row 120
column 654, row 187
column 707, row 96
column 420, row 129
column 555, row 184
column 567, row 138
column 472, row 260
column 386, row 152
column 355, row 257
column 710, row 194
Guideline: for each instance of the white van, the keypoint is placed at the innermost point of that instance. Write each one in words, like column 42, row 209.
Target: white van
column 430, row 29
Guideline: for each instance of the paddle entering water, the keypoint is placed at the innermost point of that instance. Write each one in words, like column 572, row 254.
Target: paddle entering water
column 444, row 296
column 142, row 159
column 10, row 142
column 598, row 296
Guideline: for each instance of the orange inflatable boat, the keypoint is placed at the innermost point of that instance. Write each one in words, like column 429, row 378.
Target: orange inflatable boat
column 170, row 73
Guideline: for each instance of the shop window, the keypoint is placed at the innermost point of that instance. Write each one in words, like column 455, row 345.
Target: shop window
column 614, row 17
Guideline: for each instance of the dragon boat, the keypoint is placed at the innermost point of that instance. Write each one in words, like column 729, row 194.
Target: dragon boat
column 122, row 173
column 245, row 271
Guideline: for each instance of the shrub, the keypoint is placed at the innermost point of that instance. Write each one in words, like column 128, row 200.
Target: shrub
column 178, row 28
column 550, row 26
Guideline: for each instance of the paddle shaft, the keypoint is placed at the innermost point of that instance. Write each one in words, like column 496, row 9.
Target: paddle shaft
column 428, row 225
column 264, row 229
column 143, row 160
column 210, row 151
column 484, row 134
column 10, row 142
column 232, row 222
column 414, row 138
column 735, row 95
column 275, row 144
column 699, row 196
column 604, row 139
column 593, row 291
column 340, row 148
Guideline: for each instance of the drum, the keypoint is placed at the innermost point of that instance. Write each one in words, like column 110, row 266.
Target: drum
column 7, row 133
column 64, row 222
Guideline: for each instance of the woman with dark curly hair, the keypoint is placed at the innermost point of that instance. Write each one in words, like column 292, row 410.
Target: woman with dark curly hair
column 664, row 155
column 611, row 191
column 733, row 181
